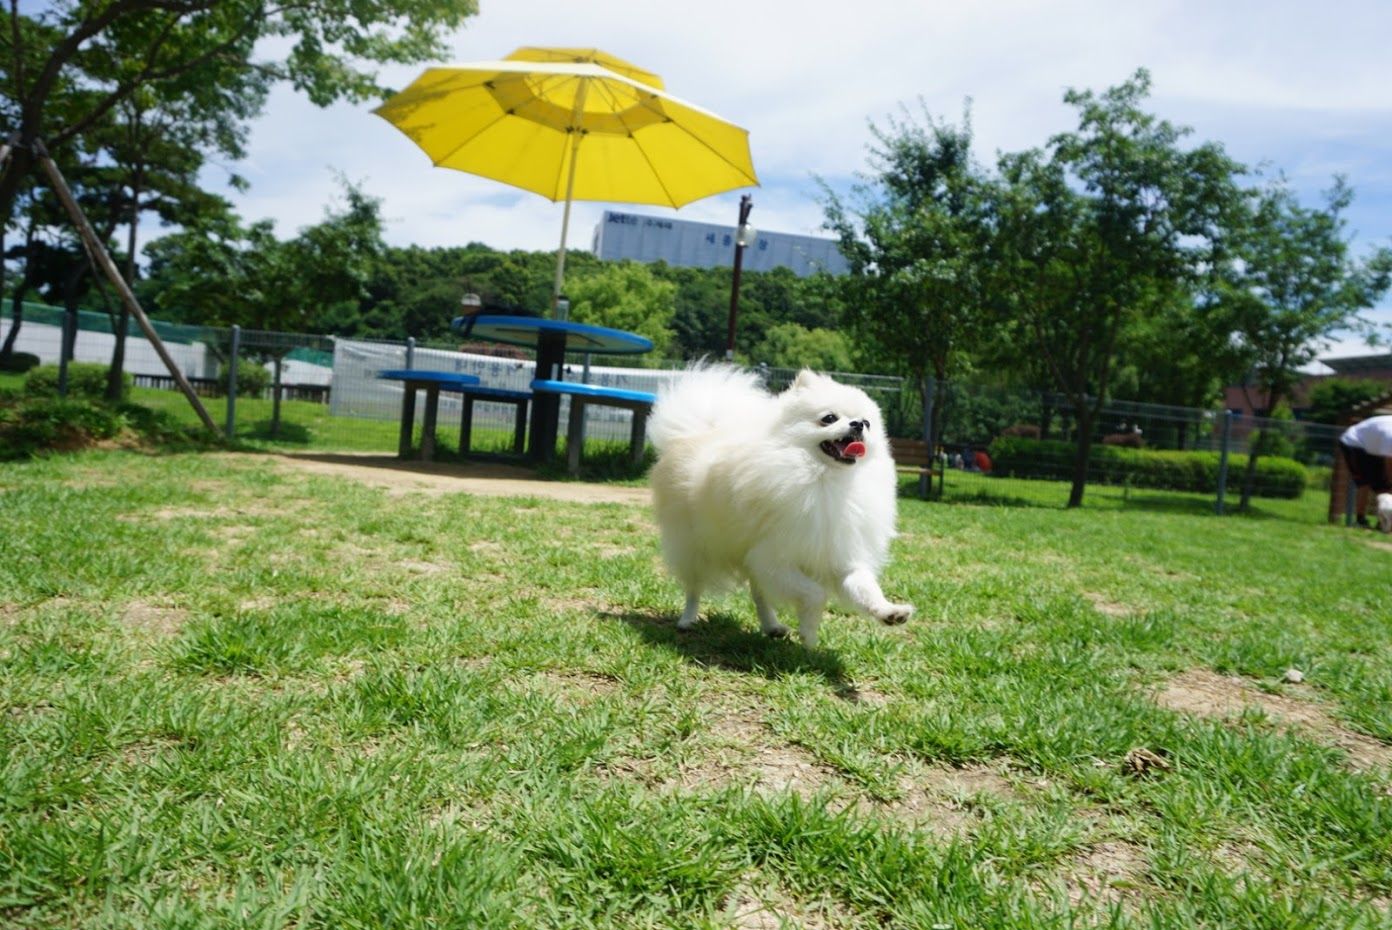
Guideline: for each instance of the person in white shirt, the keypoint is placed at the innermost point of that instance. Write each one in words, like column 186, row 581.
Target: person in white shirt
column 1366, row 446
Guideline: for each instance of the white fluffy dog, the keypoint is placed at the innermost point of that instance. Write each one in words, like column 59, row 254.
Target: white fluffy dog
column 794, row 493
column 1384, row 509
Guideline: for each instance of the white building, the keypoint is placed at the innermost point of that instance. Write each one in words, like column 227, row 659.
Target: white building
column 686, row 244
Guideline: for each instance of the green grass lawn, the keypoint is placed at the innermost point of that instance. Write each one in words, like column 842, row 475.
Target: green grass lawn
column 237, row 695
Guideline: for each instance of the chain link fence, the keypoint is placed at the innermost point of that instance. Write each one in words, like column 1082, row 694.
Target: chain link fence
column 292, row 391
column 1003, row 445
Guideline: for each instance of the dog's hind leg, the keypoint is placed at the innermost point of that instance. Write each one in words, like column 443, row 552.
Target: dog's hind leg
column 691, row 613
column 861, row 589
column 768, row 619
column 785, row 584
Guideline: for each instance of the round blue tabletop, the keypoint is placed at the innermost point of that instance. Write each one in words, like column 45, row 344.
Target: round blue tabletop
column 526, row 331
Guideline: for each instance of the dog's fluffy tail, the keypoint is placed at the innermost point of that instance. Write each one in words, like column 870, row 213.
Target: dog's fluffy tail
column 699, row 400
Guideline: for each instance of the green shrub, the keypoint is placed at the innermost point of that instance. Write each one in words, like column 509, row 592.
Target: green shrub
column 31, row 425
column 85, row 379
column 19, row 362
column 39, row 424
column 1017, row 457
column 252, row 378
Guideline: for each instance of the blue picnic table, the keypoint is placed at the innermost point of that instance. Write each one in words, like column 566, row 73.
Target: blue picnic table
column 432, row 382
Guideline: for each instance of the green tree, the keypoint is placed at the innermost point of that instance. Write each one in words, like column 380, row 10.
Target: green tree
column 1110, row 223
column 1332, row 400
column 627, row 296
column 916, row 239
column 1295, row 282
column 790, row 345
column 98, row 53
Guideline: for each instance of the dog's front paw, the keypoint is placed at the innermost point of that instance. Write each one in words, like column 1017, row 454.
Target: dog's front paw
column 775, row 631
column 894, row 614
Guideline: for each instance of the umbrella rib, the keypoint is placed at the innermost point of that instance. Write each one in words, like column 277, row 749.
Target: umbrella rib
column 575, row 149
column 618, row 113
column 481, row 130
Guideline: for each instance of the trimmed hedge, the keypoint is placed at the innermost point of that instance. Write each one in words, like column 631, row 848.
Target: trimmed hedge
column 85, row 379
column 1016, row 457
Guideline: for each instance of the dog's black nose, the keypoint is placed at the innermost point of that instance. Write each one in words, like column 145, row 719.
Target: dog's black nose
column 858, row 426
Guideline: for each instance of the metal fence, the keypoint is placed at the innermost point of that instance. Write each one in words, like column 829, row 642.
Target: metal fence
column 991, row 444
column 1001, row 444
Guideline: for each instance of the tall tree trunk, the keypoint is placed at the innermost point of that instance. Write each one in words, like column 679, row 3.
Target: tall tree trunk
column 1085, row 416
column 118, row 351
column 275, row 398
column 20, row 292
column 16, row 317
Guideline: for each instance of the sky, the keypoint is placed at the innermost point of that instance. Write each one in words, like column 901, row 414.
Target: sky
column 1298, row 88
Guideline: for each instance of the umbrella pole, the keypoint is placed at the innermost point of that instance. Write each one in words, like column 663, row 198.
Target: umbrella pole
column 565, row 226
column 576, row 133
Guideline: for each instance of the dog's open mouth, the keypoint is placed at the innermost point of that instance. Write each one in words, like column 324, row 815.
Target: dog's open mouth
column 845, row 450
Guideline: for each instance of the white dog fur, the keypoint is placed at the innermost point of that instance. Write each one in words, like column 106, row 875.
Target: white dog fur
column 755, row 487
column 1384, row 512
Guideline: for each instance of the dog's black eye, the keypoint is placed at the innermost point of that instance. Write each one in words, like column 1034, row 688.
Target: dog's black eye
column 830, row 418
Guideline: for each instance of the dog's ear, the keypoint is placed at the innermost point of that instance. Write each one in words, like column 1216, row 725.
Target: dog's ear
column 805, row 379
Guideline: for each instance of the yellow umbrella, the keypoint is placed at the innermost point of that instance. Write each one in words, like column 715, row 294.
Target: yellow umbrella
column 572, row 124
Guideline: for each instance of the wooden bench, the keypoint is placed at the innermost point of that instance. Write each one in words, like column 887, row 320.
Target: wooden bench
column 912, row 456
column 581, row 395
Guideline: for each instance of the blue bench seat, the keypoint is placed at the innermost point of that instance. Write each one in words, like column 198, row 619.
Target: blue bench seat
column 581, row 395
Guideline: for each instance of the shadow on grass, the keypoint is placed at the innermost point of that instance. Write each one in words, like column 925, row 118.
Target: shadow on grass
column 720, row 641
column 288, row 433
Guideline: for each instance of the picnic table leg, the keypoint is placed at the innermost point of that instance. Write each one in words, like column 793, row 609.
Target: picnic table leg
column 408, row 421
column 432, row 404
column 466, row 425
column 639, row 437
column 575, row 435
column 519, row 430
column 546, row 406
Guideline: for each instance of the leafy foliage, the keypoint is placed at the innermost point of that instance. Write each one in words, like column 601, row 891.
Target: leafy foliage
column 85, row 380
column 1019, row 457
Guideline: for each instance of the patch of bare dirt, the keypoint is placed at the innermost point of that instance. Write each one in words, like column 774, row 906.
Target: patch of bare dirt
column 1105, row 606
column 1208, row 694
column 757, row 906
column 745, row 752
column 1106, row 873
column 397, row 477
column 942, row 799
column 863, row 694
column 421, row 567
column 1377, row 543
column 573, row 685
column 159, row 619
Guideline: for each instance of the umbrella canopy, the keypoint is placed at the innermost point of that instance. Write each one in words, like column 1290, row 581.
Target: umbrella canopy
column 572, row 124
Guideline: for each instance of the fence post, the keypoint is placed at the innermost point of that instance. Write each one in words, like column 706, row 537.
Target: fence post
column 232, row 380
column 410, row 352
column 1223, row 461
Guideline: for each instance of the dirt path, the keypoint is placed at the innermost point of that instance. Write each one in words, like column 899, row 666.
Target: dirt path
column 402, row 477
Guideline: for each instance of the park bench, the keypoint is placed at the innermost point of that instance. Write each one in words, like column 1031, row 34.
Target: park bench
column 582, row 395
column 912, row 456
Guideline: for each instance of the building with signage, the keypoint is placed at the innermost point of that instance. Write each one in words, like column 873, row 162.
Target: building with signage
column 686, row 244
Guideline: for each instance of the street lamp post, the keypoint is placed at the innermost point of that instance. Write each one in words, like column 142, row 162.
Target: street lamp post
column 744, row 234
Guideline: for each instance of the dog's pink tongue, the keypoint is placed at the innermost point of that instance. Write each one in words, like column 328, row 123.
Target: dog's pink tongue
column 854, row 449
